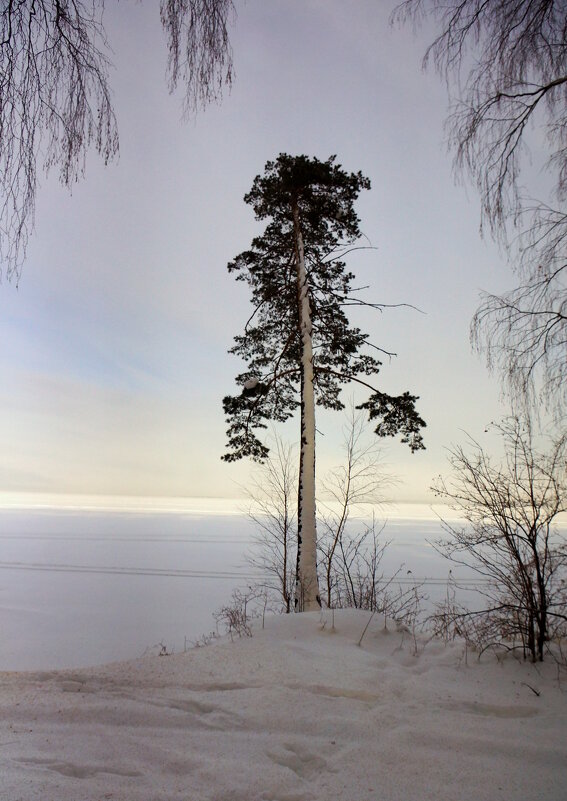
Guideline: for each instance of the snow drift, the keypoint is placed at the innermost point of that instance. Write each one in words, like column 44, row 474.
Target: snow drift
column 299, row 712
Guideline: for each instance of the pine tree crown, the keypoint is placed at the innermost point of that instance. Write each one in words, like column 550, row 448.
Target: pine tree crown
column 321, row 195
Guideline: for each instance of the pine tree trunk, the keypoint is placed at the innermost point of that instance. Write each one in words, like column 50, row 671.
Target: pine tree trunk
column 307, row 589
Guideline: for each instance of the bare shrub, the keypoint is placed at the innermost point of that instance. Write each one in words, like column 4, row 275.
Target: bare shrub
column 509, row 539
column 245, row 606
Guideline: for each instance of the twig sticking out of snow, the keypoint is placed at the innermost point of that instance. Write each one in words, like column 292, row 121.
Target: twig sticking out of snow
column 359, row 643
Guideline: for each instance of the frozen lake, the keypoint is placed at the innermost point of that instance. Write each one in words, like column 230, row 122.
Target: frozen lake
column 82, row 587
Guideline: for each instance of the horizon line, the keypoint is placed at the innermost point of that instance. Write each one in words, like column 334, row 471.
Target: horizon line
column 191, row 504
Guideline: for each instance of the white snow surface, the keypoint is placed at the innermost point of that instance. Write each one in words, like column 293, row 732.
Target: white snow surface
column 298, row 712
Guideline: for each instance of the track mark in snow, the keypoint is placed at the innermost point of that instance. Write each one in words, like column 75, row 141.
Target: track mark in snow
column 77, row 771
column 77, row 686
column 491, row 710
column 288, row 796
column 187, row 705
column 337, row 692
column 299, row 760
column 202, row 713
column 226, row 686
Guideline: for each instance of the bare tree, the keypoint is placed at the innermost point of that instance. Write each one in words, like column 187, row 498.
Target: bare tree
column 55, row 100
column 350, row 552
column 508, row 539
column 353, row 577
column 200, row 55
column 524, row 335
column 274, row 511
column 361, row 479
column 349, row 561
column 508, row 64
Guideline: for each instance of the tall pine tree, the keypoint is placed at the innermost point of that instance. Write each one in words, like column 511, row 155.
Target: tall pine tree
column 298, row 344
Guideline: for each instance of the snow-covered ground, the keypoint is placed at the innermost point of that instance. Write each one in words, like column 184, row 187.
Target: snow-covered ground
column 299, row 712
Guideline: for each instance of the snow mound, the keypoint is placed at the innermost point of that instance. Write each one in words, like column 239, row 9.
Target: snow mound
column 299, row 712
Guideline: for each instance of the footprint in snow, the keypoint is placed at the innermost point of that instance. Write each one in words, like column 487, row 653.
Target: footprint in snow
column 299, row 760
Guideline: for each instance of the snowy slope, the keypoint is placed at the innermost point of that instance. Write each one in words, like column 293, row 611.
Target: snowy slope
column 297, row 713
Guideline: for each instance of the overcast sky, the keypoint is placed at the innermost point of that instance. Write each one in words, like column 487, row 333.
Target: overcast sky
column 113, row 357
